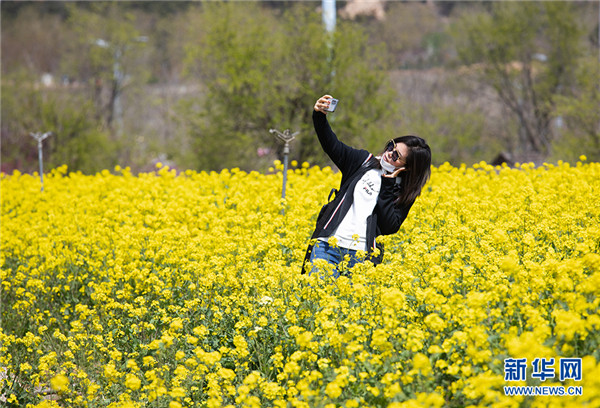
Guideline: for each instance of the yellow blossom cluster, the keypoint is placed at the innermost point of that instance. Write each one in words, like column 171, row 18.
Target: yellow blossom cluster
column 169, row 289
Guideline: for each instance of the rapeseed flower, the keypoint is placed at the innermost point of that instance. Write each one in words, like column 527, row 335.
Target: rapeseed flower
column 183, row 289
column 132, row 382
column 60, row 383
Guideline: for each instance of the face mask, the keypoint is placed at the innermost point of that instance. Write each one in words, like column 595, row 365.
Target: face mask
column 387, row 167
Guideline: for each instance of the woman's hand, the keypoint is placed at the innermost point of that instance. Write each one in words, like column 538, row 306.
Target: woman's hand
column 395, row 173
column 323, row 103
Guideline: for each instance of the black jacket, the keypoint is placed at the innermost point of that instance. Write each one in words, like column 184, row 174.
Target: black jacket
column 354, row 163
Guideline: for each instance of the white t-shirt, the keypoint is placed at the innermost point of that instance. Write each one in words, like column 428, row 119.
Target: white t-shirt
column 354, row 223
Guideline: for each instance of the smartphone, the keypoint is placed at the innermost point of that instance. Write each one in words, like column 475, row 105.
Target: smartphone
column 332, row 105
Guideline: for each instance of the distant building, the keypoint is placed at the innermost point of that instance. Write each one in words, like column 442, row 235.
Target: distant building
column 354, row 8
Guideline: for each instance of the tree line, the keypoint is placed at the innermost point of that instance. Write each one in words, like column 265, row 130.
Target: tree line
column 199, row 84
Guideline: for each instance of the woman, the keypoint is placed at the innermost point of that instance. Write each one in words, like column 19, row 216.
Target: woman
column 374, row 197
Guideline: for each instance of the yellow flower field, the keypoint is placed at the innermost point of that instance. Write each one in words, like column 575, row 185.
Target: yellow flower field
column 184, row 290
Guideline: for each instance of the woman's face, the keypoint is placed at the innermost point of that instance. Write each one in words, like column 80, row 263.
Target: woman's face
column 402, row 151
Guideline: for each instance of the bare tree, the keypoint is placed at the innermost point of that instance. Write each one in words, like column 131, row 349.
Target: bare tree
column 527, row 51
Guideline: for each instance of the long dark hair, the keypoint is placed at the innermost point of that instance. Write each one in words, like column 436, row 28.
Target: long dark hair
column 418, row 168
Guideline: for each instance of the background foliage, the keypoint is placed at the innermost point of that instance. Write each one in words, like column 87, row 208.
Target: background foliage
column 254, row 83
column 203, row 82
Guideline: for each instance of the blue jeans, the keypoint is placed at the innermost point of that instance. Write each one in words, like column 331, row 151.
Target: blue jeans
column 334, row 256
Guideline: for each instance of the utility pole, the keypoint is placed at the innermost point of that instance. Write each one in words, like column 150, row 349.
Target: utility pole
column 329, row 20
column 329, row 17
column 287, row 137
column 40, row 137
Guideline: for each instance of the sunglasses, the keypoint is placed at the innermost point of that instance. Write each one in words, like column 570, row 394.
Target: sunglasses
column 391, row 147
